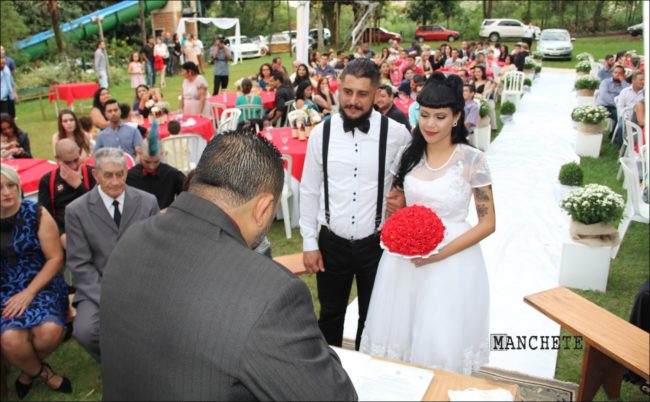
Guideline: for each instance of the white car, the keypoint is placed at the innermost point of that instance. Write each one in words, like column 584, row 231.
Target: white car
column 248, row 48
column 555, row 44
column 500, row 28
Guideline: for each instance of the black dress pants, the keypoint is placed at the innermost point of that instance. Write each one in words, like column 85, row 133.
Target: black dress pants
column 345, row 260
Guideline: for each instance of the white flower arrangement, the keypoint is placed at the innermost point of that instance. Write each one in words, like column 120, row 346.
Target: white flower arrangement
column 589, row 114
column 594, row 203
column 155, row 110
column 149, row 103
column 584, row 56
column 583, row 66
column 587, row 82
column 529, row 63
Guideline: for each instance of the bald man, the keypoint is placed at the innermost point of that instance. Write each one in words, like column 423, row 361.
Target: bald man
column 71, row 180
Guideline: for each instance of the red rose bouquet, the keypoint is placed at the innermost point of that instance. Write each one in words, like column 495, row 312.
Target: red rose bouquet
column 414, row 231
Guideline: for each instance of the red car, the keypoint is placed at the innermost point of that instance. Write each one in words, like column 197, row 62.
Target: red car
column 435, row 32
column 379, row 35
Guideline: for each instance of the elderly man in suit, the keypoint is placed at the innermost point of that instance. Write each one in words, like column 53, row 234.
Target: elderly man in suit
column 94, row 223
column 190, row 312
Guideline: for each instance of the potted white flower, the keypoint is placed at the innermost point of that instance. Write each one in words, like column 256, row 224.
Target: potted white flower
column 538, row 56
column 584, row 56
column 589, row 119
column 586, row 86
column 583, row 68
column 529, row 66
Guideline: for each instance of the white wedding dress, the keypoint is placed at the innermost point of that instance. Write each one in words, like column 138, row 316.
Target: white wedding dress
column 436, row 315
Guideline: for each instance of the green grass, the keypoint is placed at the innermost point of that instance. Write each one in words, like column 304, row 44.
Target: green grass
column 628, row 270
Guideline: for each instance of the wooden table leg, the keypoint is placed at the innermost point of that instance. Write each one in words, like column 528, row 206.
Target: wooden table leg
column 598, row 369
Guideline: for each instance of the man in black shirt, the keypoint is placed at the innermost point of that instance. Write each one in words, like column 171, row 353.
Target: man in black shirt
column 384, row 105
column 283, row 94
column 150, row 175
column 147, row 57
column 71, row 180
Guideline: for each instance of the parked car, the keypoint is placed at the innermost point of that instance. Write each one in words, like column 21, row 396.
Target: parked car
column 555, row 44
column 262, row 42
column 635, row 30
column 434, row 32
column 313, row 44
column 379, row 35
column 500, row 28
column 313, row 33
column 248, row 48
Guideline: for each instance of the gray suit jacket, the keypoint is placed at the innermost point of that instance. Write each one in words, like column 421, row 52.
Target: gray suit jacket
column 189, row 312
column 92, row 234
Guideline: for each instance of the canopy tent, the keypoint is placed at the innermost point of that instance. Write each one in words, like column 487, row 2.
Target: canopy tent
column 221, row 23
column 302, row 36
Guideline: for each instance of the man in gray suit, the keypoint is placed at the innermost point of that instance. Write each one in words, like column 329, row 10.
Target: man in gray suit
column 190, row 312
column 94, row 223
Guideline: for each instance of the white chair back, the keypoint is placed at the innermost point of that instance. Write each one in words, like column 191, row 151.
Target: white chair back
column 216, row 109
column 182, row 151
column 229, row 120
column 513, row 87
column 635, row 208
column 286, row 194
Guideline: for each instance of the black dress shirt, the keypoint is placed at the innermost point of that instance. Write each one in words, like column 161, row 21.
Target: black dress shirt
column 165, row 185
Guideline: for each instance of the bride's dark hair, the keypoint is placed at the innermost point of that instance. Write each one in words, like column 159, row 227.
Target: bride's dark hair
column 438, row 92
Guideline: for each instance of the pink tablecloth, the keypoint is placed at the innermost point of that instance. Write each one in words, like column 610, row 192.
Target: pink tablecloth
column 268, row 99
column 203, row 126
column 71, row 91
column 297, row 149
column 30, row 171
column 403, row 104
column 448, row 70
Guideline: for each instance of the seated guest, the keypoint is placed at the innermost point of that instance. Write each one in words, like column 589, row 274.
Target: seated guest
column 314, row 59
column 384, row 73
column 250, row 332
column 325, row 100
column 471, row 108
column 15, row 141
column 264, row 77
column 89, row 129
column 142, row 96
column 454, row 61
column 338, row 62
column 94, row 223
column 414, row 108
column 302, row 75
column 324, row 69
column 154, row 177
column 118, row 134
column 408, row 75
column 283, row 94
column 410, row 63
column 248, row 99
column 437, row 60
column 611, row 88
column 69, row 127
column 384, row 104
column 128, row 118
column 277, row 66
column 394, row 47
column 99, row 104
column 404, row 90
column 629, row 97
column 69, row 181
column 638, row 116
column 416, row 85
column 33, row 294
column 464, row 76
column 503, row 53
column 519, row 56
column 607, row 68
column 480, row 80
column 174, row 127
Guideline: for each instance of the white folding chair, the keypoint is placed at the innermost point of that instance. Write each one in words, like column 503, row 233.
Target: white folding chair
column 513, row 87
column 182, row 151
column 595, row 68
column 632, row 141
column 229, row 120
column 216, row 109
column 635, row 208
column 286, row 194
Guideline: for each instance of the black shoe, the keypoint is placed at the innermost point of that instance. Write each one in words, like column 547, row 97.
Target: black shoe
column 23, row 389
column 65, row 387
column 68, row 331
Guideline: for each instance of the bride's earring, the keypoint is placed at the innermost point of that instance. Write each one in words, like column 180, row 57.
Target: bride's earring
column 455, row 123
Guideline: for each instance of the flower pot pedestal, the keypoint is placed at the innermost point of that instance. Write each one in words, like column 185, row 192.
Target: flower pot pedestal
column 506, row 118
column 482, row 137
column 584, row 267
column 561, row 190
column 585, row 100
column 529, row 73
column 589, row 139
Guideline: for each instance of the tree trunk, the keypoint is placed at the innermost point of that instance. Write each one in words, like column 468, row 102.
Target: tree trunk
column 319, row 26
column 271, row 27
column 577, row 23
column 289, row 23
column 598, row 15
column 561, row 13
column 489, row 9
column 528, row 14
column 52, row 7
column 337, row 34
column 143, row 29
column 484, row 4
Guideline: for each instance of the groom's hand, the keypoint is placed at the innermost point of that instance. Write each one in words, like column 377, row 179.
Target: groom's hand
column 394, row 200
column 313, row 261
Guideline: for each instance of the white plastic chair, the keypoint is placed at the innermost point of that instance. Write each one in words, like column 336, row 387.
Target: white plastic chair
column 595, row 68
column 513, row 87
column 229, row 120
column 635, row 208
column 216, row 109
column 631, row 142
column 182, row 151
column 251, row 111
column 286, row 194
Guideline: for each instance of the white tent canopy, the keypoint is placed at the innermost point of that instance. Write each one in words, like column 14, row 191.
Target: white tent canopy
column 222, row 23
column 302, row 36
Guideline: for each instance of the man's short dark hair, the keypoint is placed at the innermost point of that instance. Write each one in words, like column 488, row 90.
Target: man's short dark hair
column 277, row 76
column 110, row 102
column 609, row 56
column 276, row 59
column 362, row 68
column 125, row 109
column 174, row 127
column 242, row 165
column 615, row 67
column 471, row 87
column 387, row 88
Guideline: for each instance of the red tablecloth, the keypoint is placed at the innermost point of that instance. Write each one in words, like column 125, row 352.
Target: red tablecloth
column 403, row 104
column 268, row 99
column 203, row 126
column 297, row 149
column 30, row 171
column 76, row 90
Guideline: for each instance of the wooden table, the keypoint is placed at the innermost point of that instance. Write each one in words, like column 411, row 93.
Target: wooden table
column 612, row 343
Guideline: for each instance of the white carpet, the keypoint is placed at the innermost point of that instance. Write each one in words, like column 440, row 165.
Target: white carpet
column 523, row 255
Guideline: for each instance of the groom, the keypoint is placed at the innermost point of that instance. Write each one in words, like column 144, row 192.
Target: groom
column 348, row 165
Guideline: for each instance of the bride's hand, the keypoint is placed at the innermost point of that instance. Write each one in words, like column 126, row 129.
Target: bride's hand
column 418, row 262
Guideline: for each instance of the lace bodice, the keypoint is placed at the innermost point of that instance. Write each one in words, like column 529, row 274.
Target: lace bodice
column 447, row 189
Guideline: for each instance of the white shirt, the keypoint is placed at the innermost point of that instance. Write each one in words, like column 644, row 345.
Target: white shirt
column 352, row 171
column 627, row 98
column 108, row 201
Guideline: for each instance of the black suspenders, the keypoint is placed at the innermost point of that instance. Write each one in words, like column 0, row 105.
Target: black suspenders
column 383, row 138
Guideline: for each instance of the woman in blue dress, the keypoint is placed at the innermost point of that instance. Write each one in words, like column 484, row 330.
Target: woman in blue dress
column 33, row 293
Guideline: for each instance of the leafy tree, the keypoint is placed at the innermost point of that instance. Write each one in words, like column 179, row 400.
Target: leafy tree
column 421, row 10
column 14, row 31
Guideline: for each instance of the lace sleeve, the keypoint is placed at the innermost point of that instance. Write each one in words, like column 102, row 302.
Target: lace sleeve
column 398, row 158
column 479, row 175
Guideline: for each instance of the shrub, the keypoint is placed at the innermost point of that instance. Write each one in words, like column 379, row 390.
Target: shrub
column 63, row 72
column 571, row 174
column 528, row 82
column 538, row 68
column 529, row 63
column 537, row 55
column 587, row 82
column 508, row 108
column 584, row 56
column 594, row 203
column 484, row 108
column 583, row 66
column 589, row 114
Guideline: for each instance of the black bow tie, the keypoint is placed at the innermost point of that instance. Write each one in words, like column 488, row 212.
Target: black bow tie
column 362, row 125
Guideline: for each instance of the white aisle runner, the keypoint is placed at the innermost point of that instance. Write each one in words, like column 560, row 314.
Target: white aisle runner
column 523, row 255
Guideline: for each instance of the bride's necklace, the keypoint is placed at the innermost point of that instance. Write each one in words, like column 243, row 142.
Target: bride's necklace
column 426, row 162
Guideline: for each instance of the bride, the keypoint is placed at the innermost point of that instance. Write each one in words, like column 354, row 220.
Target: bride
column 434, row 311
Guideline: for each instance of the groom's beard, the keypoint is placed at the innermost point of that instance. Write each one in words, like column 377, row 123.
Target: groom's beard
column 349, row 119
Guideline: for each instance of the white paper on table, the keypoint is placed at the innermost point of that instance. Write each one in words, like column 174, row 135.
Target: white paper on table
column 473, row 394
column 189, row 122
column 379, row 380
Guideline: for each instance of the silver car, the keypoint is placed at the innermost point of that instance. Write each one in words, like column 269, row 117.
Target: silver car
column 555, row 44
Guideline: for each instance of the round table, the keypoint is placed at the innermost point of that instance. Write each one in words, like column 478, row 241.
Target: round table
column 202, row 126
column 296, row 149
column 229, row 98
column 30, row 171
column 73, row 90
